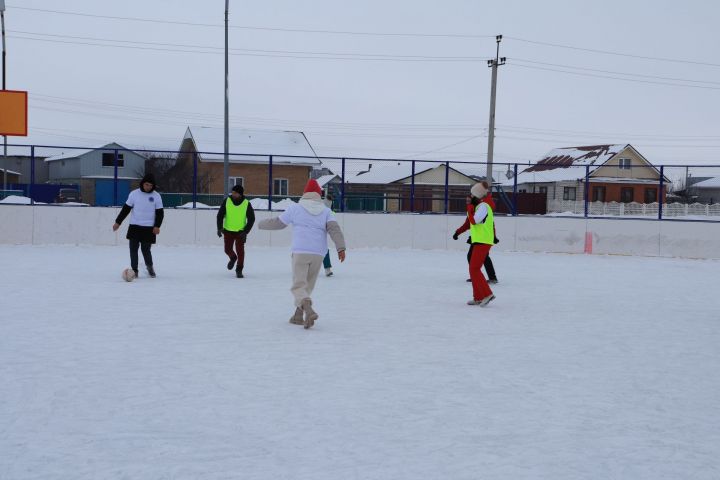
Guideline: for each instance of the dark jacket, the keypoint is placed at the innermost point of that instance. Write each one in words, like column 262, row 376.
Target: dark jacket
column 250, row 214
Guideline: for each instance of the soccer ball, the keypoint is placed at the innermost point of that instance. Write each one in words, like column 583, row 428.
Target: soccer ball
column 128, row 275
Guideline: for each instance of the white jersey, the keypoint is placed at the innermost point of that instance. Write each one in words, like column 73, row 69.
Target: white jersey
column 143, row 207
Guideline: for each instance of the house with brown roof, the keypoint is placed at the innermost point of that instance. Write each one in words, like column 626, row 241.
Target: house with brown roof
column 617, row 173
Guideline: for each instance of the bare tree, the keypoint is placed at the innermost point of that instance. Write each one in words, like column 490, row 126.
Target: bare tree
column 174, row 173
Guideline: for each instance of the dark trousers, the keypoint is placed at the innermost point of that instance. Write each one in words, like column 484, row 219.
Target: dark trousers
column 237, row 240
column 147, row 256
column 481, row 289
column 326, row 260
column 487, row 264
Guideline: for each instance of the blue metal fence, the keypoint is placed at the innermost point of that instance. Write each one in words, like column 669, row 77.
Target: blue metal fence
column 399, row 195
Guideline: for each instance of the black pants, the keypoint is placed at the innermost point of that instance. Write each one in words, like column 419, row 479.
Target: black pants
column 147, row 256
column 489, row 269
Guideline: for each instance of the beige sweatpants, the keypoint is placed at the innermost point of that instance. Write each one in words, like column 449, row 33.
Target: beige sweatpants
column 305, row 269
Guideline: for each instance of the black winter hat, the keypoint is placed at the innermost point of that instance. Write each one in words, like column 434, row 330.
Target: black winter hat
column 239, row 189
column 149, row 178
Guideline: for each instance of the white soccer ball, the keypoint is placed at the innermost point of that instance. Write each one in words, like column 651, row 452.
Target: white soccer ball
column 128, row 275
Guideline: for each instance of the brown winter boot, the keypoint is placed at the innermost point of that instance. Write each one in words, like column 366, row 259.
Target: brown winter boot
column 310, row 314
column 297, row 318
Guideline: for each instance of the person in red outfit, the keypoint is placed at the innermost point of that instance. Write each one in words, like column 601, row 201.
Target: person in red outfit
column 488, row 264
column 482, row 235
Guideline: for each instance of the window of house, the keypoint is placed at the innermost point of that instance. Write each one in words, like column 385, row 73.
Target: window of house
column 625, row 164
column 108, row 160
column 280, row 186
column 569, row 193
column 598, row 194
column 542, row 190
column 522, row 190
column 650, row 195
column 232, row 181
column 627, row 194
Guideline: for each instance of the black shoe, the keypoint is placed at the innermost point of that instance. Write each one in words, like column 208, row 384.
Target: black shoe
column 469, row 280
column 137, row 274
column 493, row 280
column 238, row 274
column 151, row 271
column 231, row 263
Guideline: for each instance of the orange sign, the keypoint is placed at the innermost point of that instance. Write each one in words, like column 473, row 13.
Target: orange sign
column 13, row 113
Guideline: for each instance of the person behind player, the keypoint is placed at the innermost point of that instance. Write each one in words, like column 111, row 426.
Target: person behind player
column 488, row 264
column 145, row 221
column 235, row 219
column 327, row 264
column 482, row 235
column 312, row 221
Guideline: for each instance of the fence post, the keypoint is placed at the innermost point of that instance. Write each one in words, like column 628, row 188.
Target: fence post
column 447, row 185
column 587, row 188
column 660, row 192
column 32, row 174
column 342, row 186
column 270, row 184
column 412, row 187
column 115, row 180
column 514, row 206
column 195, row 179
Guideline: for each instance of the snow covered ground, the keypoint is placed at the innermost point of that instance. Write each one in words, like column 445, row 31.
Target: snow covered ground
column 585, row 367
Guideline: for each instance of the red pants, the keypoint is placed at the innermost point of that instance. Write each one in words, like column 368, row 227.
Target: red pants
column 479, row 284
column 237, row 239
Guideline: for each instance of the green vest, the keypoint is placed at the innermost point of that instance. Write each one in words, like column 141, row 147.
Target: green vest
column 235, row 215
column 484, row 232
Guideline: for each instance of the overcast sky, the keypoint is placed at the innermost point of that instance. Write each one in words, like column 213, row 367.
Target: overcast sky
column 428, row 98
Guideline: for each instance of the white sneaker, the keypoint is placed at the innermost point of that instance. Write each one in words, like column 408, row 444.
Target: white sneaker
column 328, row 272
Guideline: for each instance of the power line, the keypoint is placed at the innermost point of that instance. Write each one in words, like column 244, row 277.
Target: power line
column 245, row 27
column 608, row 52
column 269, row 53
column 614, row 78
column 521, row 60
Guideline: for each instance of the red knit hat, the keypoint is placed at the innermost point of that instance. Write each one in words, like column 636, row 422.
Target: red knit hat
column 312, row 186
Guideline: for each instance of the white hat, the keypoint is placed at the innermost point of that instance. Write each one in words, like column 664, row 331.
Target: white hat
column 478, row 190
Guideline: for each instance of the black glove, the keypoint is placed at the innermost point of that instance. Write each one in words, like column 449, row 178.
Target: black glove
column 455, row 236
column 219, row 232
column 243, row 236
column 496, row 240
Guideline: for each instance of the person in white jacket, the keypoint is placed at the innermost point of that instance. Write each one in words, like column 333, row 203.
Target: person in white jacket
column 312, row 221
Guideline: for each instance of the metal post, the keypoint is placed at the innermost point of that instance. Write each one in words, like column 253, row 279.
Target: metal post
column 32, row 173
column 226, row 162
column 412, row 188
column 493, row 90
column 342, row 186
column 115, row 180
column 4, row 53
column 270, row 184
column 515, row 192
column 660, row 192
column 447, row 182
column 587, row 188
column 195, row 179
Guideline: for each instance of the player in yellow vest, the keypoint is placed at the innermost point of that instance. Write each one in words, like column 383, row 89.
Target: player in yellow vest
column 235, row 219
column 482, row 236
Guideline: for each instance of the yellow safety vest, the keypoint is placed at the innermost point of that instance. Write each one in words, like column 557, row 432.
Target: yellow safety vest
column 483, row 232
column 235, row 215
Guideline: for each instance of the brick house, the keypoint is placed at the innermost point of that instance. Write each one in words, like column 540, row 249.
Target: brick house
column 617, row 173
column 292, row 160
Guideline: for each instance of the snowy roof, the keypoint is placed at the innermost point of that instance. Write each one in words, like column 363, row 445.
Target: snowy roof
column 10, row 172
column 256, row 145
column 564, row 164
column 389, row 173
column 713, row 182
column 325, row 179
column 75, row 153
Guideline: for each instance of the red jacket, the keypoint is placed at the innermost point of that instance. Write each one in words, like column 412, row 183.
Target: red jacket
column 466, row 226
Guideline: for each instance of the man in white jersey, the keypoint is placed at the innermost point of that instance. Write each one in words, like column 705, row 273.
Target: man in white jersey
column 147, row 216
column 312, row 221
